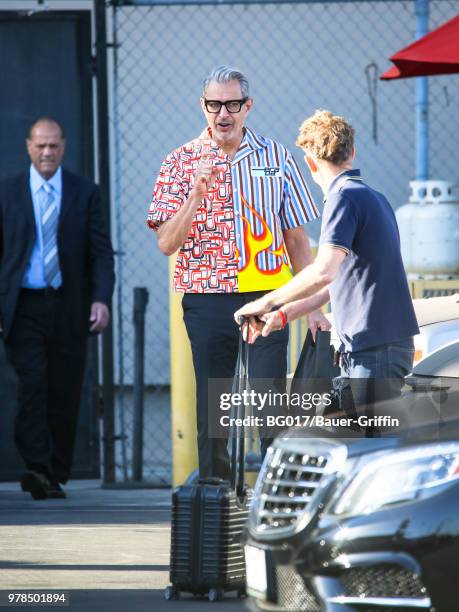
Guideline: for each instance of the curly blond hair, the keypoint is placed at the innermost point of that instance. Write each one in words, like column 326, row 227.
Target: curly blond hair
column 326, row 136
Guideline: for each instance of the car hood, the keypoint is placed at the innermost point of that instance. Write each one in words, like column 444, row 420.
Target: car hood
column 442, row 362
column 427, row 434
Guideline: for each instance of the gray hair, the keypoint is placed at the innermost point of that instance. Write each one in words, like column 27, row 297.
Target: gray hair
column 225, row 74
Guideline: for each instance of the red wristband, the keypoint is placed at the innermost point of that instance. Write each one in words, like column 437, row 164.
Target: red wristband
column 283, row 317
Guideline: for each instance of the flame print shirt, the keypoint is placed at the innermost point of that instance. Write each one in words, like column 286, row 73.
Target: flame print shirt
column 236, row 239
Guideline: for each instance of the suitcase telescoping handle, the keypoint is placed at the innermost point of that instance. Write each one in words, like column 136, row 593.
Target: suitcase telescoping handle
column 240, row 383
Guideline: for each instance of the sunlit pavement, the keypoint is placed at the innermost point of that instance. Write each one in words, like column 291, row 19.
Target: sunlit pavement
column 108, row 549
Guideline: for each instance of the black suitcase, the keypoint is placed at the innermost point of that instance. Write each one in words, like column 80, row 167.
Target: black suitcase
column 207, row 556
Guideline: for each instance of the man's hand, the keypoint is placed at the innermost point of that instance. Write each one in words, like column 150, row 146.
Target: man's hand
column 252, row 329
column 252, row 309
column 99, row 317
column 272, row 322
column 205, row 175
column 317, row 320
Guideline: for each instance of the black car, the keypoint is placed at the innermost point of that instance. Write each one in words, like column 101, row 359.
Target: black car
column 365, row 525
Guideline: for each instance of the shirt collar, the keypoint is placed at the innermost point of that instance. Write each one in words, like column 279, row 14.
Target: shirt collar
column 254, row 141
column 37, row 181
column 336, row 183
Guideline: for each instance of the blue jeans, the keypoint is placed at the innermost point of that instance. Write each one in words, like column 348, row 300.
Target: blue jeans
column 376, row 375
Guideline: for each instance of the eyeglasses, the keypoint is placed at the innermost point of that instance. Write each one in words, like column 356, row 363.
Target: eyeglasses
column 232, row 106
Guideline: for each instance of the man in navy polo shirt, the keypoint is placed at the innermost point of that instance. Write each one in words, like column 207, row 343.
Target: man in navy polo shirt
column 358, row 267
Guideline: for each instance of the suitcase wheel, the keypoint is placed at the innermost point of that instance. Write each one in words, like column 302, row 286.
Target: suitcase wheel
column 216, row 594
column 171, row 592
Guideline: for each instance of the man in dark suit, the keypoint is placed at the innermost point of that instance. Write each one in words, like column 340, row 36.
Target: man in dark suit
column 56, row 281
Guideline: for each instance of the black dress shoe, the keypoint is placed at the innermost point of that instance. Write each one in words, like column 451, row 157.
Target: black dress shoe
column 55, row 491
column 36, row 484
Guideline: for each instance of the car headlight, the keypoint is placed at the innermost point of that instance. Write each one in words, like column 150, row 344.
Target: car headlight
column 399, row 477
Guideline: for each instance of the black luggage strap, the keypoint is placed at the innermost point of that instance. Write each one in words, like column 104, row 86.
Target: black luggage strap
column 240, row 383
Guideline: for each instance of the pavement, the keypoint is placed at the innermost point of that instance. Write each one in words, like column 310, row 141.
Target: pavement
column 107, row 549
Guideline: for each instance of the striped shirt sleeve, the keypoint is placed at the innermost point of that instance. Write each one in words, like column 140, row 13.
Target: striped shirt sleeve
column 168, row 194
column 298, row 206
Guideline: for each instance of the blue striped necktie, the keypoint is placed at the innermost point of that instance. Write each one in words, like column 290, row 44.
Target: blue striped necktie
column 49, row 219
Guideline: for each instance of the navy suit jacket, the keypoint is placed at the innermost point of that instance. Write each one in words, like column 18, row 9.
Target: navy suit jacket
column 84, row 247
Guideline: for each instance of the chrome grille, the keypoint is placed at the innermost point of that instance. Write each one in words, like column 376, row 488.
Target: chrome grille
column 292, row 592
column 288, row 484
column 382, row 581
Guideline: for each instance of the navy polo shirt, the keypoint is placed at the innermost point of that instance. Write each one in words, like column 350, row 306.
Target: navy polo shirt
column 370, row 299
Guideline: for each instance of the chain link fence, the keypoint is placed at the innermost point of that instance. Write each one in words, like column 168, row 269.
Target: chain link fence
column 299, row 56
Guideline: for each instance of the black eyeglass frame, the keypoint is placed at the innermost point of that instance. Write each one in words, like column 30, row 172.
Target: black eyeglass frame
column 225, row 104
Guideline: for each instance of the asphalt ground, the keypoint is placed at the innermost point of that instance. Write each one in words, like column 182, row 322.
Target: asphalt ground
column 107, row 549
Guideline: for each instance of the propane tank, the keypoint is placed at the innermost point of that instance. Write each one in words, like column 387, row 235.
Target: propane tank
column 429, row 230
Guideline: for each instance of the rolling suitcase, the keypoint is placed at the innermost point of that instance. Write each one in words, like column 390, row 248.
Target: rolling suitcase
column 207, row 557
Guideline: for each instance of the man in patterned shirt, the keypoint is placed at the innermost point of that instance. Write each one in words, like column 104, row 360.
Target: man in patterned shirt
column 233, row 203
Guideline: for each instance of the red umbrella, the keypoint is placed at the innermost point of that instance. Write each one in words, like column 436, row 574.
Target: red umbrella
column 435, row 53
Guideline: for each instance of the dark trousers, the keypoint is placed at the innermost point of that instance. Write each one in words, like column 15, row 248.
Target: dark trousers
column 49, row 362
column 214, row 340
column 375, row 377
